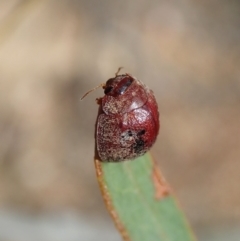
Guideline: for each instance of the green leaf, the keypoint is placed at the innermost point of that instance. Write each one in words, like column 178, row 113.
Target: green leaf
column 140, row 201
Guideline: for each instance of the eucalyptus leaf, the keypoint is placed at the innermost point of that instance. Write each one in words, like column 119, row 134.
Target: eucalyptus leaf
column 140, row 201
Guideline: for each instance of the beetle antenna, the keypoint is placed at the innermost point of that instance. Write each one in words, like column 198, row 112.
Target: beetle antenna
column 101, row 85
column 119, row 69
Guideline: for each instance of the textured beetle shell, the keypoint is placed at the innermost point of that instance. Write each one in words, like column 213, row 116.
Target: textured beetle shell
column 128, row 124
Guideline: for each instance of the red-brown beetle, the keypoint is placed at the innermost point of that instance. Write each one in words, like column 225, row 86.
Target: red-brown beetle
column 128, row 119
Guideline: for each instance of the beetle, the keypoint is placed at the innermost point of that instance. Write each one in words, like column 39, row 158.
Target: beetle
column 128, row 119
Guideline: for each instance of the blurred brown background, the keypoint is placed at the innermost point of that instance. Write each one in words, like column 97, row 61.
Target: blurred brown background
column 53, row 51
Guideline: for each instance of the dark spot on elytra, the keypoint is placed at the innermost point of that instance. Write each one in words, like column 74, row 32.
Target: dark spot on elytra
column 138, row 146
column 130, row 133
column 140, row 133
